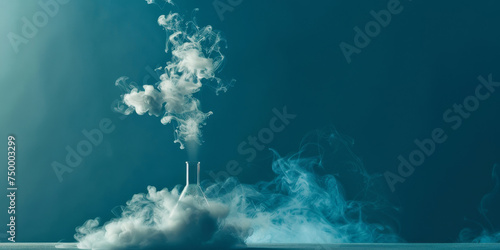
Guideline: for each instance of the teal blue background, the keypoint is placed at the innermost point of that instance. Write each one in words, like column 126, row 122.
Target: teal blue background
column 282, row 53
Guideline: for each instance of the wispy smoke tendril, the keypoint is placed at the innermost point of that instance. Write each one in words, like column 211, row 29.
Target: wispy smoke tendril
column 305, row 204
column 489, row 233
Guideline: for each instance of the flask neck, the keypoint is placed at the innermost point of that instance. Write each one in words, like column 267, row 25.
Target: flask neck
column 192, row 173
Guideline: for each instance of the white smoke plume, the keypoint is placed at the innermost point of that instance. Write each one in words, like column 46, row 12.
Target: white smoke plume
column 195, row 58
column 299, row 205
column 148, row 222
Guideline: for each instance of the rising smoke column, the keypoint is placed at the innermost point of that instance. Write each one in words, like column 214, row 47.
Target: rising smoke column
column 195, row 58
column 302, row 204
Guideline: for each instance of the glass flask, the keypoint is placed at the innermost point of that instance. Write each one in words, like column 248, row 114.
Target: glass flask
column 192, row 190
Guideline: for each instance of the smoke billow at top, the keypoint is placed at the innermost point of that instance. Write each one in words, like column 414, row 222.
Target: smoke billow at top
column 195, row 58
